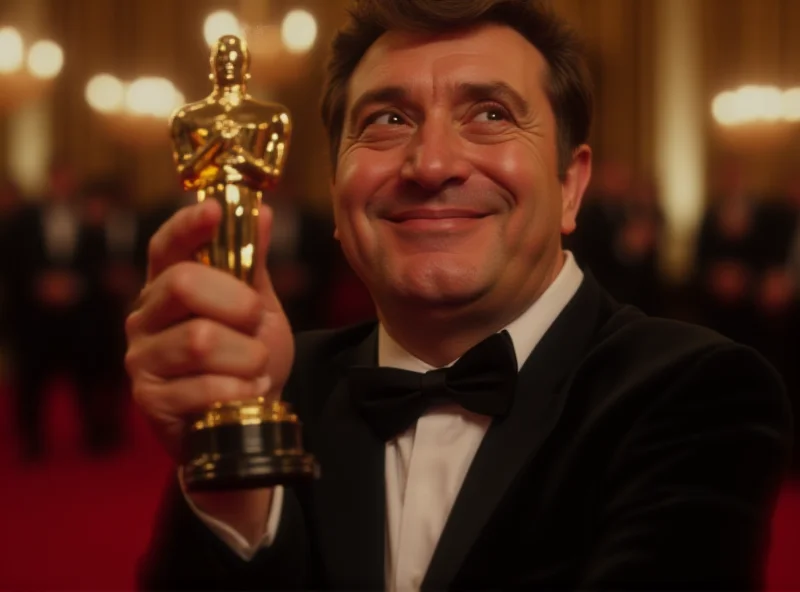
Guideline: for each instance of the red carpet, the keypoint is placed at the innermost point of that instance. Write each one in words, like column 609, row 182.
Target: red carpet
column 80, row 524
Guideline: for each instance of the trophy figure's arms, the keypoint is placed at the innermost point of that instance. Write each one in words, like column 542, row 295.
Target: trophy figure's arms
column 190, row 161
column 262, row 171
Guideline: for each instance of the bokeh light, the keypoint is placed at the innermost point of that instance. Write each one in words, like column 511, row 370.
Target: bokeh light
column 756, row 104
column 45, row 59
column 153, row 96
column 12, row 51
column 105, row 93
column 299, row 31
column 219, row 23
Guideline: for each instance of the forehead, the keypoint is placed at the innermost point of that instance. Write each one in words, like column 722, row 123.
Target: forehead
column 485, row 53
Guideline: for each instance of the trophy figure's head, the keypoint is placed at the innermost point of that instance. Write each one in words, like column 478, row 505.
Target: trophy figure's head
column 230, row 61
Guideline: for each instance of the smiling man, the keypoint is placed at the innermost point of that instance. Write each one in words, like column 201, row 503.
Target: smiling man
column 505, row 424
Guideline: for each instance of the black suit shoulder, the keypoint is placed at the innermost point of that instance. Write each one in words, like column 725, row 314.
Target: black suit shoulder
column 696, row 435
column 635, row 347
column 649, row 363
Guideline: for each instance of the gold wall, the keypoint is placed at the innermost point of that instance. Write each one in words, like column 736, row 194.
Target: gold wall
column 743, row 41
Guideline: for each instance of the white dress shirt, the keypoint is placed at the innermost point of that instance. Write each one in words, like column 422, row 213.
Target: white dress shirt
column 426, row 465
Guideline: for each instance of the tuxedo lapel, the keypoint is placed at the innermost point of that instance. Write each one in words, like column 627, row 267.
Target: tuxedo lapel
column 351, row 495
column 512, row 442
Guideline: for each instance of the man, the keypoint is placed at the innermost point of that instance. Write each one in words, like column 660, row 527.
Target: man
column 635, row 453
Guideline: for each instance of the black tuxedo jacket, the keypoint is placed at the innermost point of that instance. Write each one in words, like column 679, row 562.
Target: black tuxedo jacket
column 640, row 453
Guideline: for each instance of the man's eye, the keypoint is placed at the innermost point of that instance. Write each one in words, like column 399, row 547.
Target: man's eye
column 492, row 114
column 385, row 118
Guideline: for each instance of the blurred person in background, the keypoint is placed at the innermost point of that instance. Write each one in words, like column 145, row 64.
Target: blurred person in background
column 11, row 200
column 618, row 235
column 301, row 257
column 600, row 219
column 50, row 262
column 118, row 245
column 636, row 246
column 727, row 259
column 781, row 297
column 349, row 301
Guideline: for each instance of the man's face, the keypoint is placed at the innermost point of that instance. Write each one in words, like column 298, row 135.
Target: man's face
column 447, row 191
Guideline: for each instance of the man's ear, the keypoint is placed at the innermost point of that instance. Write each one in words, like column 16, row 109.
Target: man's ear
column 574, row 186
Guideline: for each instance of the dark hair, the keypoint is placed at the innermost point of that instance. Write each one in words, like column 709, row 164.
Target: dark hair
column 568, row 87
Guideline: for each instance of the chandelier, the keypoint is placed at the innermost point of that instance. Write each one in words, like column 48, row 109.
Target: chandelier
column 26, row 73
column 134, row 113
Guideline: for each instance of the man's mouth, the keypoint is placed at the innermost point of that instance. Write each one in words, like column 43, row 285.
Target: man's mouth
column 435, row 214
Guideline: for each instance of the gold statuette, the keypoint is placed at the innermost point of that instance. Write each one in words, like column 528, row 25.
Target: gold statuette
column 230, row 147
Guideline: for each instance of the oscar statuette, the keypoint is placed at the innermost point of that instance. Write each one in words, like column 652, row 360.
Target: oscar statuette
column 230, row 148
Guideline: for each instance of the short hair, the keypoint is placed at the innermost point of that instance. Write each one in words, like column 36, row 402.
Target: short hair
column 568, row 86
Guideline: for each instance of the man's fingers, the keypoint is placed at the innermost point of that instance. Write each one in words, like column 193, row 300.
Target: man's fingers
column 261, row 279
column 191, row 289
column 198, row 346
column 180, row 237
column 183, row 397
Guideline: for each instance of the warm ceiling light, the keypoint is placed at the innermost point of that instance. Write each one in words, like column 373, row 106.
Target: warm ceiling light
column 219, row 23
column 299, row 31
column 105, row 93
column 12, row 51
column 756, row 104
column 791, row 104
column 45, row 59
column 156, row 97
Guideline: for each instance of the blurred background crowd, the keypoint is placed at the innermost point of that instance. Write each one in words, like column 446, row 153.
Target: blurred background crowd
column 693, row 213
column 75, row 260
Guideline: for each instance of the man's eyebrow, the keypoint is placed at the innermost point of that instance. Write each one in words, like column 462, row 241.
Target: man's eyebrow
column 501, row 91
column 384, row 94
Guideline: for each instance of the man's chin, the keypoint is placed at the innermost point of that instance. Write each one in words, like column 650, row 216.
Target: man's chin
column 440, row 289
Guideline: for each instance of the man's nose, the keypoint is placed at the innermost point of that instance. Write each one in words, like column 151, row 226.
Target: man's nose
column 436, row 156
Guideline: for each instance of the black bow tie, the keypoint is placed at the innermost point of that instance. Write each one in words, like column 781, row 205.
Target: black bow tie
column 482, row 381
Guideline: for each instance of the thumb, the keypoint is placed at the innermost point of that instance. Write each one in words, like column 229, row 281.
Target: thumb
column 261, row 279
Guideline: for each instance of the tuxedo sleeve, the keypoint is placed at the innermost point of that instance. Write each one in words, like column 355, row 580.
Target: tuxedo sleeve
column 184, row 554
column 230, row 535
column 688, row 499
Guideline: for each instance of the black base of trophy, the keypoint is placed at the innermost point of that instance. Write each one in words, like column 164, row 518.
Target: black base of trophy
column 246, row 456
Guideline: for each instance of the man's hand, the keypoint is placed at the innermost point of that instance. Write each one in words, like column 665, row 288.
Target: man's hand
column 199, row 335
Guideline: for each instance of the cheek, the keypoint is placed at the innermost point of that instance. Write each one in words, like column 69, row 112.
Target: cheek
column 530, row 181
column 360, row 175
column 521, row 174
